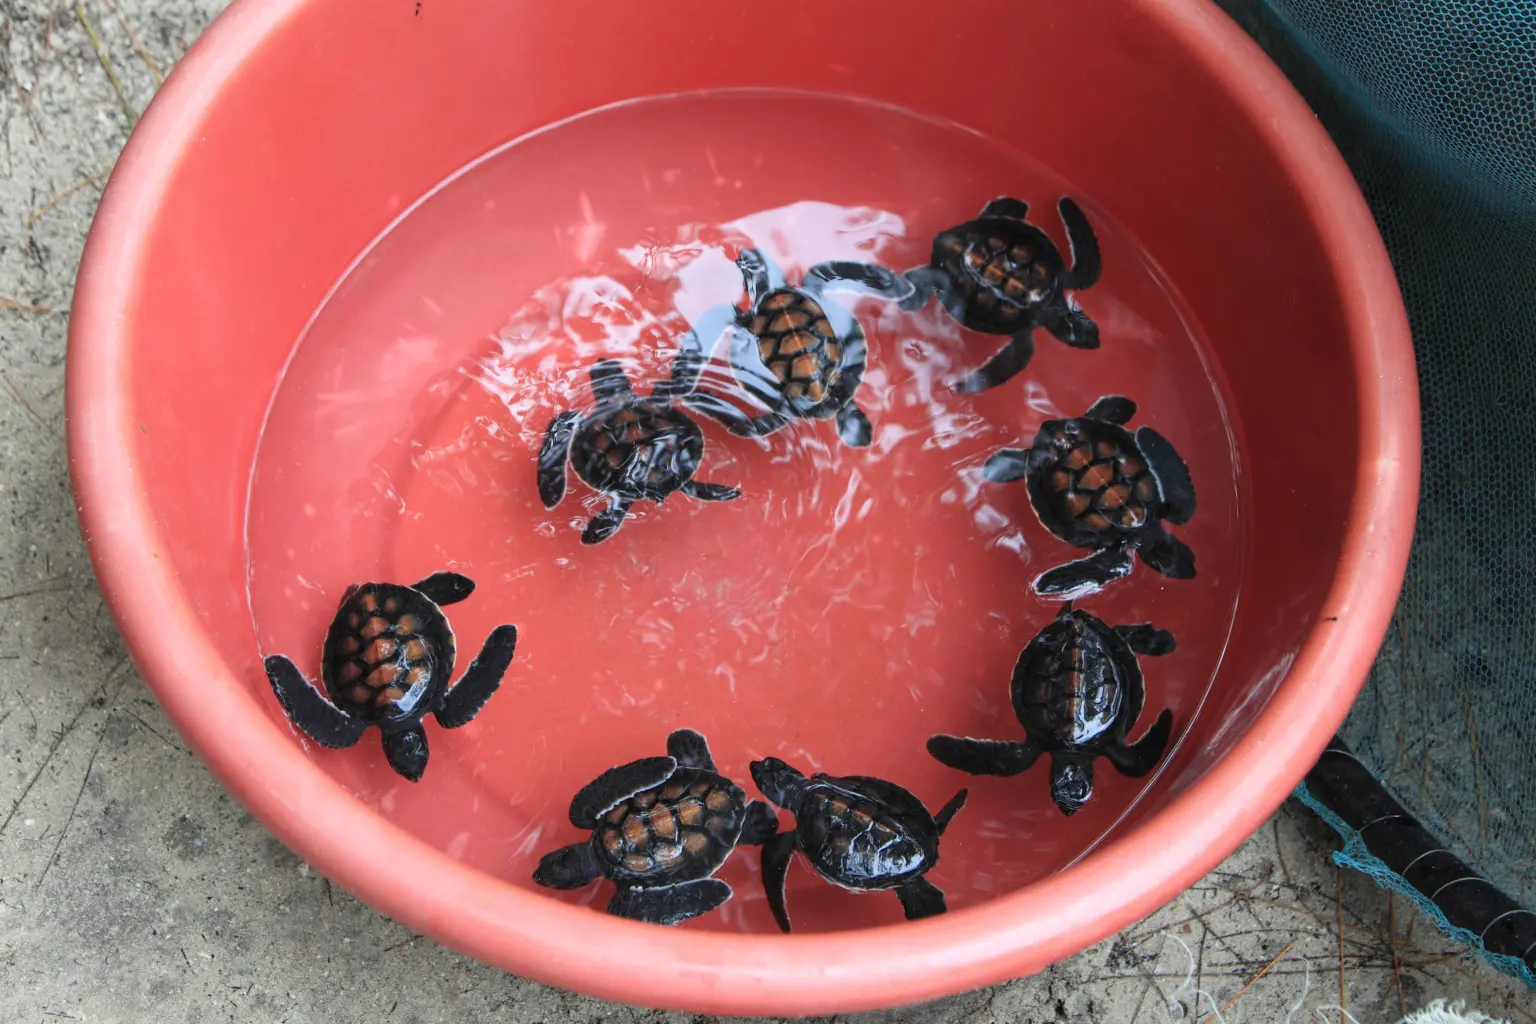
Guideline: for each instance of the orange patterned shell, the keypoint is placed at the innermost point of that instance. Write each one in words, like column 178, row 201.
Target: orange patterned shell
column 1097, row 488
column 388, row 650
column 798, row 344
column 678, row 831
column 1004, row 271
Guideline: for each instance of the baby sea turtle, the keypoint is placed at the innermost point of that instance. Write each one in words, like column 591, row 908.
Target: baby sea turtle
column 629, row 448
column 794, row 350
column 1077, row 690
column 998, row 274
column 1097, row 486
column 860, row 833
column 661, row 827
column 387, row 660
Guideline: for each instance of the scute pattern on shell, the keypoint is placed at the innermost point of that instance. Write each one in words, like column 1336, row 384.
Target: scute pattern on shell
column 385, row 645
column 1099, row 480
column 682, row 829
column 853, row 839
column 797, row 343
column 1069, row 685
column 1002, row 275
column 666, row 443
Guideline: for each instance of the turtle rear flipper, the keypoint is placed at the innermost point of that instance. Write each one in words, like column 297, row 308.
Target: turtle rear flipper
column 669, row 904
column 1165, row 553
column 1146, row 638
column 926, row 282
column 1007, row 363
column 690, row 749
column 982, row 757
column 1173, row 480
column 921, row 898
column 442, row 588
column 569, row 867
column 464, row 701
column 777, row 853
column 701, row 491
column 618, row 784
column 853, row 427
column 760, row 825
column 406, row 752
column 948, row 811
column 306, row 708
column 1010, row 464
column 607, row 522
column 1086, row 575
column 1087, row 264
column 1137, row 759
column 854, row 276
column 1075, row 328
column 552, row 456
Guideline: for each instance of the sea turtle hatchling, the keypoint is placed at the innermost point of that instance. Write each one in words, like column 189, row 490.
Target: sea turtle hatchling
column 1077, row 689
column 862, row 834
column 1096, row 485
column 387, row 660
column 999, row 274
column 794, row 350
column 627, row 447
column 661, row 827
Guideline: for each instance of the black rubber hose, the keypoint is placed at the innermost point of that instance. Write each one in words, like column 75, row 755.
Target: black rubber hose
column 1347, row 788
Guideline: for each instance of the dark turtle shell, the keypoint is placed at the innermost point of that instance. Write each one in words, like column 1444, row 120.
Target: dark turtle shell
column 680, row 830
column 1077, row 685
column 865, row 833
column 1003, row 270
column 388, row 653
column 797, row 343
column 644, row 448
column 1095, row 488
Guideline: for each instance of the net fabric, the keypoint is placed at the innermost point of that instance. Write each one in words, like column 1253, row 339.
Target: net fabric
column 1433, row 104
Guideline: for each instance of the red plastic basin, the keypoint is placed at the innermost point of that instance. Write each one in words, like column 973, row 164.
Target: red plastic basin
column 296, row 130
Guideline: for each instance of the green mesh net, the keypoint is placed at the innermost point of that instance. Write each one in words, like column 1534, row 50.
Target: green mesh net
column 1433, row 104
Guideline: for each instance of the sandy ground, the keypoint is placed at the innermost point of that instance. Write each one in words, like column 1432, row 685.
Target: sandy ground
column 133, row 888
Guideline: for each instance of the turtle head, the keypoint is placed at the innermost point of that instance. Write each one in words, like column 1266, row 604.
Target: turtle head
column 406, row 752
column 777, row 781
column 1071, row 783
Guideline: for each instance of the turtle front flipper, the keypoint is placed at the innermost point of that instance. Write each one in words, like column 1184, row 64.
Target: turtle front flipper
column 948, row 811
column 760, row 824
column 406, row 752
column 1115, row 409
column 1084, row 576
column 569, row 867
column 1173, row 480
column 464, row 701
column 853, row 426
column 1087, row 264
column 690, row 749
column 982, row 757
column 777, row 853
column 669, row 904
column 927, row 281
column 733, row 419
column 1165, row 553
column 306, row 708
column 693, row 351
column 1010, row 464
column 861, row 278
column 1137, row 759
column 1009, row 361
column 921, row 898
column 616, row 784
column 757, row 273
column 1074, row 327
column 1145, row 638
column 443, row 588
column 607, row 522
column 701, row 491
column 552, row 456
